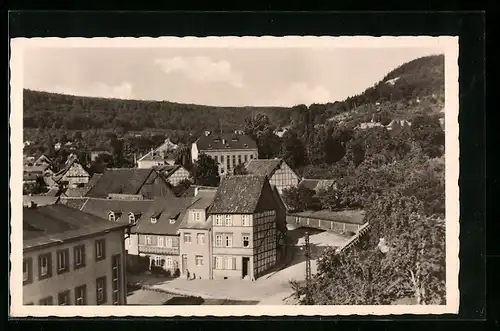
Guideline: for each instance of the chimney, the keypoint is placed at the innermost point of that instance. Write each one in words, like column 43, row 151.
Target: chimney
column 207, row 133
column 223, row 141
column 196, row 190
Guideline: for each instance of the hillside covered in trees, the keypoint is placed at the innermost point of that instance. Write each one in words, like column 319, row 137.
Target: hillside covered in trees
column 395, row 172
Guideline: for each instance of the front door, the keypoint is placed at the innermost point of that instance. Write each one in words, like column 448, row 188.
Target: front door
column 244, row 266
column 184, row 263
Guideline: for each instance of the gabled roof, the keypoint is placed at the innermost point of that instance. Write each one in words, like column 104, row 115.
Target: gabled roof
column 168, row 169
column 152, row 156
column 102, row 207
column 119, row 180
column 69, row 163
column 53, row 224
column 76, row 203
column 263, row 167
column 238, row 194
column 169, row 213
column 317, row 184
column 214, row 141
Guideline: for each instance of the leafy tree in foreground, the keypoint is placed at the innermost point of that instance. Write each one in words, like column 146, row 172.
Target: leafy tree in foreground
column 240, row 170
column 181, row 187
column 206, row 171
column 300, row 199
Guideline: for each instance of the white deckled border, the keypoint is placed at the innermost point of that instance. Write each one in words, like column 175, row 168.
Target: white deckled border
column 449, row 45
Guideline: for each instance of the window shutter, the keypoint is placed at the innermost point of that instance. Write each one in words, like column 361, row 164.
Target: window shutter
column 49, row 265
column 83, row 257
column 234, row 263
column 104, row 249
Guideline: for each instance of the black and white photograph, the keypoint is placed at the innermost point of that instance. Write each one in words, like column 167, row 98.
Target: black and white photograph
column 272, row 175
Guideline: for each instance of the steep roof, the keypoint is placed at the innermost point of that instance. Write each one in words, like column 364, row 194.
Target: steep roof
column 53, row 224
column 263, row 167
column 77, row 202
column 238, row 194
column 214, row 141
column 119, row 180
column 317, row 184
column 40, row 200
column 152, row 156
column 203, row 200
column 169, row 213
column 168, row 169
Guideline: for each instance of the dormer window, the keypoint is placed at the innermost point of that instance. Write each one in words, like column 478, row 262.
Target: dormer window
column 217, row 140
column 245, row 145
column 111, row 216
column 154, row 220
column 209, row 146
column 227, row 145
column 131, row 218
column 234, row 139
column 172, row 221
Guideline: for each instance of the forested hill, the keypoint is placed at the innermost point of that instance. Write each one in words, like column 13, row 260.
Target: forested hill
column 422, row 78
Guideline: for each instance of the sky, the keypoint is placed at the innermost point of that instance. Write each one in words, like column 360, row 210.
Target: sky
column 214, row 76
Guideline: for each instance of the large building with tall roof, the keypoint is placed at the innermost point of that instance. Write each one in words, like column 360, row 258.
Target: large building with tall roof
column 277, row 171
column 228, row 149
column 72, row 258
column 246, row 231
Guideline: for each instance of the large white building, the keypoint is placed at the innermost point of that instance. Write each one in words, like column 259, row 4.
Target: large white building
column 228, row 149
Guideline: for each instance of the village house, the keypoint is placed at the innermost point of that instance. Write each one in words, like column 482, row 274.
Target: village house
column 158, row 239
column 245, row 227
column 130, row 181
column 174, row 174
column 228, row 149
column 162, row 155
column 195, row 237
column 342, row 222
column 72, row 258
column 277, row 171
column 72, row 175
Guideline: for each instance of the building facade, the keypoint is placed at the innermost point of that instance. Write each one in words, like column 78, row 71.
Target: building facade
column 244, row 237
column 73, row 174
column 174, row 174
column 84, row 266
column 157, row 231
column 277, row 171
column 228, row 150
column 195, row 238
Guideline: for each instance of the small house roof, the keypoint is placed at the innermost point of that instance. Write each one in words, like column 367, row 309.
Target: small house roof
column 238, row 194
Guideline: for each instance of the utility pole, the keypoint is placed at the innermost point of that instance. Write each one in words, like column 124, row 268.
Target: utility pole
column 308, row 269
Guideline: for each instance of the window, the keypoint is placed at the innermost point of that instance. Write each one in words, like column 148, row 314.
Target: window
column 111, row 216
column 27, row 271
column 62, row 261
column 228, row 220
column 228, row 240
column 218, row 219
column 168, row 242
column 158, row 261
column 187, row 237
column 251, row 157
column 245, row 157
column 239, row 159
column 45, row 266
column 246, row 240
column 234, row 160
column 199, row 260
column 160, row 241
column 230, row 263
column 200, row 238
column 48, row 301
column 79, row 256
column 148, row 240
column 100, row 249
column 63, row 298
column 116, row 278
column 218, row 262
column 131, row 218
column 169, row 262
column 216, row 158
column 222, row 159
column 196, row 216
column 100, row 290
column 245, row 220
column 153, row 220
column 218, row 240
column 81, row 295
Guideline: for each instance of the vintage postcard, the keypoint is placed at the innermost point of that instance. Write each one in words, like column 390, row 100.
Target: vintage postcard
column 234, row 176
